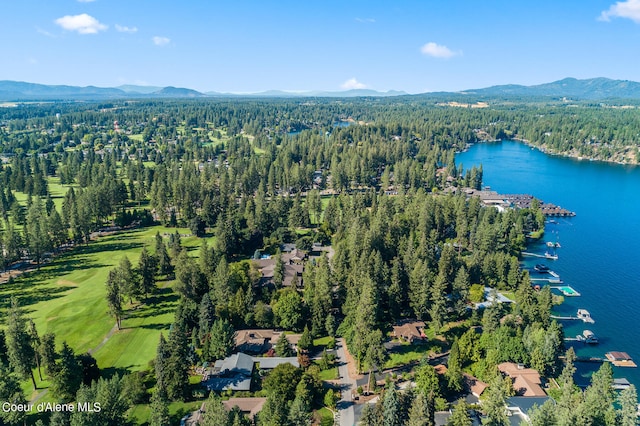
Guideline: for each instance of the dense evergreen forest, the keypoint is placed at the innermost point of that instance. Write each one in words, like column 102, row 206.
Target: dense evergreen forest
column 374, row 179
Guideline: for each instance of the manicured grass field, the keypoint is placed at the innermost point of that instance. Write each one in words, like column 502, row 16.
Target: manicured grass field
column 67, row 297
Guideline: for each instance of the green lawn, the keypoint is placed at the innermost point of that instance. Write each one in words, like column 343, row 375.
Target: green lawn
column 330, row 374
column 67, row 297
column 139, row 414
column 325, row 416
column 407, row 353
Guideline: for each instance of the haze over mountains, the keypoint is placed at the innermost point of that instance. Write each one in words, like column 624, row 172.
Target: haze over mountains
column 589, row 89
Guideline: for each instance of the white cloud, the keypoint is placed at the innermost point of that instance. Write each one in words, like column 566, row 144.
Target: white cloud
column 160, row 41
column 124, row 29
column 623, row 9
column 352, row 83
column 366, row 20
column 83, row 24
column 438, row 51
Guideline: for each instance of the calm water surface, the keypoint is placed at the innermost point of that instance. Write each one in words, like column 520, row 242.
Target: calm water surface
column 600, row 253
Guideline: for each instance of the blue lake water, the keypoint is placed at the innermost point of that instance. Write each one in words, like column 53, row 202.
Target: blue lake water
column 600, row 253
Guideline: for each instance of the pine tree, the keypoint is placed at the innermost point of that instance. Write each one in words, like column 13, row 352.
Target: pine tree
column 278, row 270
column 10, row 392
column 283, row 347
column 299, row 413
column 19, row 348
column 628, row 401
column 114, row 296
column 161, row 360
column 147, row 266
column 422, row 412
column 454, row 369
column 68, row 377
column 4, row 356
column 460, row 415
column 494, row 403
column 222, row 339
column 214, row 412
column 206, row 316
column 391, row 407
column 127, row 280
column 35, row 343
column 161, row 254
column 177, row 366
column 306, row 341
column 438, row 310
column 159, row 408
column 48, row 353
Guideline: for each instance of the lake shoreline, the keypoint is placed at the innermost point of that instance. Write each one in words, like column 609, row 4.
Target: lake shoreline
column 570, row 155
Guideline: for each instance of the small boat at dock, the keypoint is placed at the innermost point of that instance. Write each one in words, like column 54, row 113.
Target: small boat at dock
column 551, row 256
column 585, row 316
column 588, row 336
column 541, row 268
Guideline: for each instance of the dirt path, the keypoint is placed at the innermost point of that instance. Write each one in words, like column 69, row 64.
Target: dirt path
column 105, row 340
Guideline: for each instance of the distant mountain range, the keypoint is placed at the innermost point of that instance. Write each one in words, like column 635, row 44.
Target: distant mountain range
column 590, row 89
column 593, row 88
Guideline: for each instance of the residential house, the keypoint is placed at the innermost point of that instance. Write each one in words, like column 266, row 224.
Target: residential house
column 519, row 407
column 473, row 385
column 410, row 331
column 526, row 381
column 235, row 372
column 256, row 341
column 248, row 406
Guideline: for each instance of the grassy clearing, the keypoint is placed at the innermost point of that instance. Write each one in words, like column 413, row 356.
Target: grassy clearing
column 407, row 353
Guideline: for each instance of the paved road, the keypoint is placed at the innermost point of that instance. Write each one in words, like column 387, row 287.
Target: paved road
column 346, row 413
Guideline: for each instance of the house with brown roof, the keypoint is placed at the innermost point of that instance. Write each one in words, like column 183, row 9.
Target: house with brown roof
column 473, row 385
column 256, row 341
column 293, row 261
column 248, row 406
column 526, row 381
column 410, row 331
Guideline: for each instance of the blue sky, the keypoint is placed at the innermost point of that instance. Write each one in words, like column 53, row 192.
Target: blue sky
column 249, row 46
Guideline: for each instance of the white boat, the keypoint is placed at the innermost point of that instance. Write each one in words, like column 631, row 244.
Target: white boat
column 585, row 316
column 550, row 256
column 589, row 336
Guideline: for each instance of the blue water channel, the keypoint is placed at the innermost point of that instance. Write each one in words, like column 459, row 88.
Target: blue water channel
column 600, row 247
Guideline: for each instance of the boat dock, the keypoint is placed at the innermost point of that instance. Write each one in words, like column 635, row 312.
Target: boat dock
column 543, row 256
column 583, row 315
column 566, row 290
column 620, row 359
column 549, row 280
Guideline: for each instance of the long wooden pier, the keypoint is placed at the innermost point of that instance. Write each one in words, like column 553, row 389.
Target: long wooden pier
column 589, row 320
